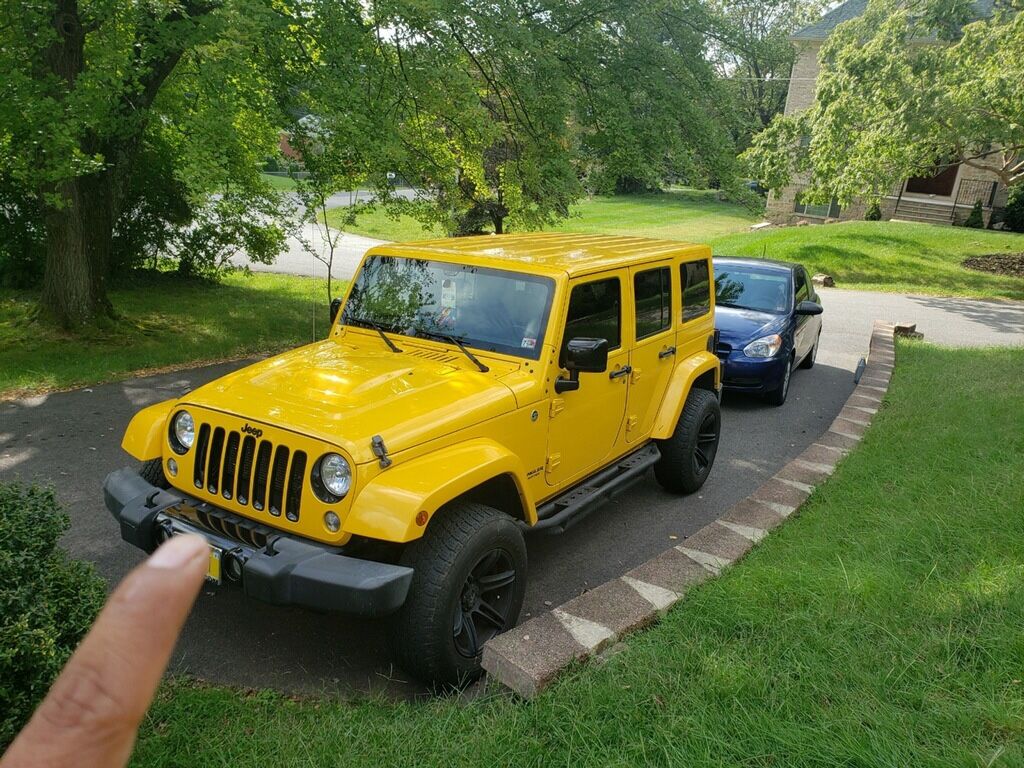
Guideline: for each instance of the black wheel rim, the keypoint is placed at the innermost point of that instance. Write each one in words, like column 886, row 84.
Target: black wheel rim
column 482, row 610
column 706, row 445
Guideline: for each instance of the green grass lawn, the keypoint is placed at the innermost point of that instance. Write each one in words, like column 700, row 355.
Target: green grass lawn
column 280, row 183
column 888, row 256
column 167, row 321
column 882, row 256
column 880, row 627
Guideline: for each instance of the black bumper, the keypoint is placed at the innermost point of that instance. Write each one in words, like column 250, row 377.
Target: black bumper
column 288, row 571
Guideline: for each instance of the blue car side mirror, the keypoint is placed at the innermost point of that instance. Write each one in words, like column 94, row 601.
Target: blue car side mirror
column 809, row 308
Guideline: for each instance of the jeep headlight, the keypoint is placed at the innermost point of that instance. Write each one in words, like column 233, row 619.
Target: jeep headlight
column 332, row 478
column 766, row 346
column 183, row 431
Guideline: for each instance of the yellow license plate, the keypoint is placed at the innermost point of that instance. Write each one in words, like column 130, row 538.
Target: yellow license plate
column 213, row 569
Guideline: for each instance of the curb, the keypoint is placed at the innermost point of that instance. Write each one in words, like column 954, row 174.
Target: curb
column 530, row 656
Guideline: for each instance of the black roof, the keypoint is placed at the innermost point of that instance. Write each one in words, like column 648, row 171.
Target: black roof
column 851, row 9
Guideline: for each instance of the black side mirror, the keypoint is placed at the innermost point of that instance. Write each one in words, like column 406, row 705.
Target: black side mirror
column 809, row 308
column 582, row 355
column 335, row 308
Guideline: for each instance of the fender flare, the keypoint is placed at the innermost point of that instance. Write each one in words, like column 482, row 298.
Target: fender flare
column 387, row 507
column 144, row 438
column 678, row 389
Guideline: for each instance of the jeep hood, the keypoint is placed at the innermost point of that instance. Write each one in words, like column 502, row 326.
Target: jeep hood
column 345, row 393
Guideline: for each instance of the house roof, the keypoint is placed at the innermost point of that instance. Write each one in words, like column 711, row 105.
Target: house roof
column 851, row 9
column 820, row 29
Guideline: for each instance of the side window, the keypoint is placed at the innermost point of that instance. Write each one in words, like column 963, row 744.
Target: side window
column 595, row 312
column 801, row 291
column 696, row 289
column 652, row 292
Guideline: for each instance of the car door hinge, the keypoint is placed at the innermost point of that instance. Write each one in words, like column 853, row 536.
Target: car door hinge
column 553, row 461
column 631, row 423
column 557, row 406
column 635, row 376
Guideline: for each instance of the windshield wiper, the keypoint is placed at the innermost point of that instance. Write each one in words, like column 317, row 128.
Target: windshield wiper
column 373, row 327
column 457, row 342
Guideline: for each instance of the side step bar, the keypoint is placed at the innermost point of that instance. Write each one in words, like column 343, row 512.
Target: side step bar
column 569, row 508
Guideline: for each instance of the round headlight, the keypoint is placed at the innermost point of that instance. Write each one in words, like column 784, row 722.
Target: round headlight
column 335, row 475
column 183, row 429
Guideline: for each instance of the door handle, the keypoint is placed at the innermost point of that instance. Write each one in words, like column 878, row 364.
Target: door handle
column 618, row 373
column 666, row 352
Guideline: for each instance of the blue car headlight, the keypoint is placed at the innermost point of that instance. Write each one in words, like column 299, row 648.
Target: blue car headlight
column 766, row 346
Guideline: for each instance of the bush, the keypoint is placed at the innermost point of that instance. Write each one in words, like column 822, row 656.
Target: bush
column 1013, row 214
column 47, row 601
column 974, row 218
column 873, row 213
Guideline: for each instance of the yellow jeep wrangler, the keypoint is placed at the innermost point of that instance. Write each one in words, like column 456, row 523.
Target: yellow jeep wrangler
column 469, row 391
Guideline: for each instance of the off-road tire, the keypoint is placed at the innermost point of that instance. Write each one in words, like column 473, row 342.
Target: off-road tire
column 681, row 468
column 152, row 472
column 422, row 632
column 778, row 395
column 808, row 361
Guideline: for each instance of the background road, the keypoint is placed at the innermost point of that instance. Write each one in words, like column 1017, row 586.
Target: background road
column 72, row 439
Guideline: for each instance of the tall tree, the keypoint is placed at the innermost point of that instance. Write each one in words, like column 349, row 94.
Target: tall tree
column 88, row 85
column 906, row 85
column 752, row 52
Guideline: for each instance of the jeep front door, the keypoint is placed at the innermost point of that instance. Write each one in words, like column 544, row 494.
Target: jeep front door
column 586, row 423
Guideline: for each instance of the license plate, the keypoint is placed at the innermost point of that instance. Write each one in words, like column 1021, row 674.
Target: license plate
column 213, row 569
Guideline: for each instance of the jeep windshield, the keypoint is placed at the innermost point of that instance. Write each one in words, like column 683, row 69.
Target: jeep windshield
column 487, row 309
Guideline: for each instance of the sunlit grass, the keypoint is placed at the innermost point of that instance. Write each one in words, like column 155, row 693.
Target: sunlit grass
column 880, row 627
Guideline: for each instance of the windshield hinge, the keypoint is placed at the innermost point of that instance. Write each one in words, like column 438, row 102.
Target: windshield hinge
column 380, row 451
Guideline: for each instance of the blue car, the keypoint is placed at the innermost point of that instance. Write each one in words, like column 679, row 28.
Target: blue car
column 768, row 319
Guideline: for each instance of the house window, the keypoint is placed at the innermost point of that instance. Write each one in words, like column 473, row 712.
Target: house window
column 827, row 210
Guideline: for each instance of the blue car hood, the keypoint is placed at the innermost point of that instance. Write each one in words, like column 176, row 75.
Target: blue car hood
column 739, row 326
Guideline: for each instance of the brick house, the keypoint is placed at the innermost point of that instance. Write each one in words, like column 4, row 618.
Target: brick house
column 944, row 197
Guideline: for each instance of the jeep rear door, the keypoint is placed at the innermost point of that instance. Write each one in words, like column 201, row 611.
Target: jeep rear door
column 585, row 424
column 653, row 358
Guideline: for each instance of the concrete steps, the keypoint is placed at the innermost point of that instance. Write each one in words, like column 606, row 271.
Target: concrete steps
column 928, row 213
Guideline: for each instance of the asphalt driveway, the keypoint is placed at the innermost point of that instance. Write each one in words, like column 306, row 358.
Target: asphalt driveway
column 72, row 440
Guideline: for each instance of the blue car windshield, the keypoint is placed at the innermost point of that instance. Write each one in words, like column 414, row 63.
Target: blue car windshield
column 757, row 290
column 488, row 309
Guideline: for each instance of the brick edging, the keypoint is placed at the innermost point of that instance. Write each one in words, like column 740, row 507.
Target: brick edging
column 530, row 656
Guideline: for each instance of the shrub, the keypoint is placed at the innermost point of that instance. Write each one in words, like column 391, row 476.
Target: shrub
column 1013, row 214
column 48, row 601
column 974, row 218
column 873, row 213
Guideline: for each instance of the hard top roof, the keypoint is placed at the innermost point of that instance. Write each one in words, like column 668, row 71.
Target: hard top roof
column 547, row 252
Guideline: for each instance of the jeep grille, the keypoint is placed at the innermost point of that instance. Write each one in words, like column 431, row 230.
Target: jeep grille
column 252, row 472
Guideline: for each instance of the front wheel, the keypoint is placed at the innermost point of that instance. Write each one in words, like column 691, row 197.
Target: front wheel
column 778, row 395
column 152, row 472
column 468, row 585
column 687, row 456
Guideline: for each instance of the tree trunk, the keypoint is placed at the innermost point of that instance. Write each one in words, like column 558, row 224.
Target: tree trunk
column 499, row 223
column 79, row 233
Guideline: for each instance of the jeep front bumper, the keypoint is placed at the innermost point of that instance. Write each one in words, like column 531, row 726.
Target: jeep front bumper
column 287, row 571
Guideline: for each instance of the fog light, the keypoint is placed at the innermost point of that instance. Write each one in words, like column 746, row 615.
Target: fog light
column 172, row 467
column 232, row 563
column 333, row 522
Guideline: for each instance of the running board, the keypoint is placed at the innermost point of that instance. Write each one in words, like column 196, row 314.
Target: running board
column 563, row 511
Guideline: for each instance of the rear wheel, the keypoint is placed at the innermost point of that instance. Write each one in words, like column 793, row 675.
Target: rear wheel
column 808, row 362
column 687, row 456
column 468, row 585
column 152, row 472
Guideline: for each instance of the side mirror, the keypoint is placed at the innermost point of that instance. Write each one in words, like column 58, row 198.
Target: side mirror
column 582, row 355
column 335, row 308
column 809, row 308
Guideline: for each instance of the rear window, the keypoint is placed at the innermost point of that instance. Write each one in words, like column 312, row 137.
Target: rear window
column 696, row 284
column 652, row 291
